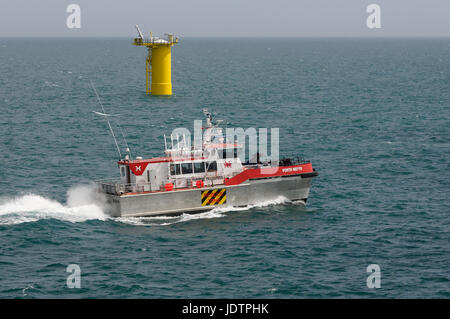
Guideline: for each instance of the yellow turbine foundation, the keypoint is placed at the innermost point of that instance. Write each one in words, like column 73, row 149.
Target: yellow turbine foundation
column 158, row 65
column 161, row 70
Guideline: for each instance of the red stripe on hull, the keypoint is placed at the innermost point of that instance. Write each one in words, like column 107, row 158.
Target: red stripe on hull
column 265, row 172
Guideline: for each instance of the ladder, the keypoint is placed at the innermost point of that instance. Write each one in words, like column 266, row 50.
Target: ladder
column 148, row 73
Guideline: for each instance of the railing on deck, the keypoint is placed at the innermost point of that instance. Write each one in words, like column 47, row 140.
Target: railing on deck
column 294, row 160
column 285, row 161
column 116, row 188
column 119, row 189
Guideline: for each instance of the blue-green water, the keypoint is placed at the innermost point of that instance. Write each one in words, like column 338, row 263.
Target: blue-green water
column 372, row 115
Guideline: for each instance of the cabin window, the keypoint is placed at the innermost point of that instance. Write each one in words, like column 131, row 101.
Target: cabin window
column 235, row 150
column 211, row 166
column 178, row 169
column 199, row 167
column 172, row 169
column 186, row 168
column 148, row 176
column 122, row 171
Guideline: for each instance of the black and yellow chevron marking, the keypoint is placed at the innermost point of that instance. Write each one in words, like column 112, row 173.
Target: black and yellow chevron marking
column 214, row 197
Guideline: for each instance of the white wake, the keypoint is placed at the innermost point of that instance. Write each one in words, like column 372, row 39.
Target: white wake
column 217, row 212
column 83, row 203
column 277, row 201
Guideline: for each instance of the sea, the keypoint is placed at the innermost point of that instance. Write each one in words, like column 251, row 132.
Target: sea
column 372, row 116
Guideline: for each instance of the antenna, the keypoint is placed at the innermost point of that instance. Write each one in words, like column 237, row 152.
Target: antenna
column 124, row 139
column 139, row 31
column 107, row 120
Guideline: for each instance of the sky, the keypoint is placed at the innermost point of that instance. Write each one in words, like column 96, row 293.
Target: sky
column 226, row 18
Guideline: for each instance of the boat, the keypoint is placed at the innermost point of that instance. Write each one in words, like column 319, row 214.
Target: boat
column 211, row 174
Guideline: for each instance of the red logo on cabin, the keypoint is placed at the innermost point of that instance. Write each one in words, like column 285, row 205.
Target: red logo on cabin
column 227, row 164
column 138, row 168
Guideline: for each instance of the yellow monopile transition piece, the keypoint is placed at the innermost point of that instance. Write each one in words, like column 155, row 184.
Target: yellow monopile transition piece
column 158, row 63
column 161, row 70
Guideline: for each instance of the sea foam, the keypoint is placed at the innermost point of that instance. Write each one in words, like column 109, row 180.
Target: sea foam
column 83, row 203
column 217, row 212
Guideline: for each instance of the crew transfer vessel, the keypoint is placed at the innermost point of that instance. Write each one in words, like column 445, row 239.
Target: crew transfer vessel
column 190, row 179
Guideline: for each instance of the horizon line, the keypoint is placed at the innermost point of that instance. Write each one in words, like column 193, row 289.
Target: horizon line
column 236, row 37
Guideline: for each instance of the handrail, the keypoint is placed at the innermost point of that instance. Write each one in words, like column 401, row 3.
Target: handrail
column 116, row 188
column 285, row 161
column 140, row 41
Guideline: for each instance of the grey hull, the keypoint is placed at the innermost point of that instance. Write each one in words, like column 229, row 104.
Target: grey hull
column 294, row 188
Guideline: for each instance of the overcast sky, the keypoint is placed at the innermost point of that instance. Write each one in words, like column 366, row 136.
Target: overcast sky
column 229, row 18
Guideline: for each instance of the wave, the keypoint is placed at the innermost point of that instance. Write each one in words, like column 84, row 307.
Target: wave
column 217, row 212
column 167, row 220
column 277, row 201
column 83, row 203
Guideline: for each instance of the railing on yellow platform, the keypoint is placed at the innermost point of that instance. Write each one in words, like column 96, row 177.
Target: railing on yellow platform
column 154, row 41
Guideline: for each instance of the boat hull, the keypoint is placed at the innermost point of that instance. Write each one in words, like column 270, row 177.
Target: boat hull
column 294, row 188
